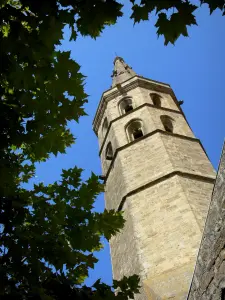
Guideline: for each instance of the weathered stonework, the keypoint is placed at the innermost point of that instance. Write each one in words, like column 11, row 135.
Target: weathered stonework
column 162, row 181
column 209, row 276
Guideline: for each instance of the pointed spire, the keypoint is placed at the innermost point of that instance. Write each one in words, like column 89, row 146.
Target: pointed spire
column 121, row 71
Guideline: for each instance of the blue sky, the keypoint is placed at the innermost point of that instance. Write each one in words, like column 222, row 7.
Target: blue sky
column 194, row 67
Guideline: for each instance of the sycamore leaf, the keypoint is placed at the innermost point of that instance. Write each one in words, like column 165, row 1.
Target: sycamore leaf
column 95, row 15
column 177, row 24
column 214, row 4
column 139, row 13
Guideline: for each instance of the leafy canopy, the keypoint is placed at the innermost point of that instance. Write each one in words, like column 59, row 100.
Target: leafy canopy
column 49, row 233
column 173, row 16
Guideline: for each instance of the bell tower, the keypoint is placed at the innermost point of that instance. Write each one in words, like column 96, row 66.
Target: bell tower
column 157, row 172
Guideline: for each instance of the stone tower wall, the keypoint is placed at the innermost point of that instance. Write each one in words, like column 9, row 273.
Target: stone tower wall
column 166, row 235
column 163, row 183
column 163, row 154
column 165, row 198
column 209, row 276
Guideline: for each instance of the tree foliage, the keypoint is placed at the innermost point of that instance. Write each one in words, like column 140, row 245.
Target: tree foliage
column 173, row 16
column 49, row 233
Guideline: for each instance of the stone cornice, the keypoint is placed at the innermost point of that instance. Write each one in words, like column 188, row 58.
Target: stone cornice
column 145, row 137
column 136, row 81
column 130, row 112
column 162, row 178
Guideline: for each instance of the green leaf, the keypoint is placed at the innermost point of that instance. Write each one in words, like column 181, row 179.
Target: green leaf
column 214, row 4
column 139, row 13
column 95, row 15
column 177, row 24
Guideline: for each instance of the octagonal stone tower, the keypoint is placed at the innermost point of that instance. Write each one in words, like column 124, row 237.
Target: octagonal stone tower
column 158, row 173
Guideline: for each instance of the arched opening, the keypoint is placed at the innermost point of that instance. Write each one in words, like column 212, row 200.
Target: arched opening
column 109, row 151
column 126, row 105
column 105, row 126
column 167, row 123
column 156, row 99
column 135, row 130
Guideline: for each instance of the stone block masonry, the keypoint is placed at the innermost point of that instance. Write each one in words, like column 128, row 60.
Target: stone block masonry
column 209, row 277
column 160, row 176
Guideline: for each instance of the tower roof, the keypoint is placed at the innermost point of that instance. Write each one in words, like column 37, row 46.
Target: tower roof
column 121, row 71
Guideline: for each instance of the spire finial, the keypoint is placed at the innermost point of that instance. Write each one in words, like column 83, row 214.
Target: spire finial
column 121, row 71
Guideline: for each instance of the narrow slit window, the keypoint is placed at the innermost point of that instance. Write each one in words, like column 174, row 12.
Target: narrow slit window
column 109, row 152
column 105, row 126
